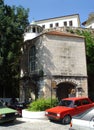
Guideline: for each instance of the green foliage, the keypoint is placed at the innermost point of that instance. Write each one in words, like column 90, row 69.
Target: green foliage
column 42, row 104
column 89, row 38
column 13, row 21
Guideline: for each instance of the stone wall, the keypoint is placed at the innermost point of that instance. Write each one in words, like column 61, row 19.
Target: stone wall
column 64, row 56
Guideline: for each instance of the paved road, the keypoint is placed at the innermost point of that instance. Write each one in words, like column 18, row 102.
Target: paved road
column 24, row 124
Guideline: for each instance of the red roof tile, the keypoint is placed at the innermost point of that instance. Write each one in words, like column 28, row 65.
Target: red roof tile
column 59, row 33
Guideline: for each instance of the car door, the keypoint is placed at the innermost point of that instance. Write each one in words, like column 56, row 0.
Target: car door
column 84, row 125
column 85, row 104
column 78, row 107
column 92, row 124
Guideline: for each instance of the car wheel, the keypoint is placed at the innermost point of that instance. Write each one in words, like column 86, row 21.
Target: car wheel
column 66, row 119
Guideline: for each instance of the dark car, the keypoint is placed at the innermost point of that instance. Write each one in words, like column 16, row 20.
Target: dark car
column 7, row 114
column 14, row 104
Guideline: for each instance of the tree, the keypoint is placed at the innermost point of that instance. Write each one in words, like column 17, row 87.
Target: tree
column 13, row 21
column 89, row 37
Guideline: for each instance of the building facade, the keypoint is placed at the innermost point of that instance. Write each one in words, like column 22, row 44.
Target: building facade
column 63, row 21
column 53, row 64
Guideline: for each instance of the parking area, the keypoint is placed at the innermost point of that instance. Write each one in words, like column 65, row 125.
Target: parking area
column 28, row 124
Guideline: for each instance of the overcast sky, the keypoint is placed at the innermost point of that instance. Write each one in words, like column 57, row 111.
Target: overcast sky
column 43, row 9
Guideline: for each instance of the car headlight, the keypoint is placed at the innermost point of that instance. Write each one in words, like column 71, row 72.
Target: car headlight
column 58, row 115
column 46, row 112
column 1, row 116
column 16, row 113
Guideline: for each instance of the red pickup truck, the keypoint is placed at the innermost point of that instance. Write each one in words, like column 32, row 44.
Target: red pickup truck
column 67, row 108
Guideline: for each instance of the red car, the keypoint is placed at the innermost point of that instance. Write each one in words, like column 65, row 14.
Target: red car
column 67, row 108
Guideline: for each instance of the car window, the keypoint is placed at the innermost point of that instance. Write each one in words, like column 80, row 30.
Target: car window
column 88, row 116
column 85, row 101
column 77, row 103
column 1, row 105
column 67, row 103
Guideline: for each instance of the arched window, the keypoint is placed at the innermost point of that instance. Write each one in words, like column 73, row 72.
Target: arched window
column 32, row 59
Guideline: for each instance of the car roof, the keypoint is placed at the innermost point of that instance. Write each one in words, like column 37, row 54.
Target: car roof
column 75, row 98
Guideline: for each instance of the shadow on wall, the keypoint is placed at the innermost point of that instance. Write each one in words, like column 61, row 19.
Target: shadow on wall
column 46, row 66
column 45, row 60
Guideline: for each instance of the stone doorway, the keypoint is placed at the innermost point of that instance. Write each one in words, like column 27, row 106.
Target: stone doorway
column 65, row 89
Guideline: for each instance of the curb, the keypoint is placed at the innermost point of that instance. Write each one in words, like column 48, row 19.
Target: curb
column 40, row 115
column 31, row 120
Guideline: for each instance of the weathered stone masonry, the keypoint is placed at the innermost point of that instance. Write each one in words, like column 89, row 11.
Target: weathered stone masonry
column 60, row 58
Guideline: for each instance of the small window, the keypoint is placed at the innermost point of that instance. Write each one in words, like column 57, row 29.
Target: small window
column 51, row 25
column 77, row 103
column 84, row 102
column 33, row 29
column 90, row 26
column 70, row 23
column 65, row 23
column 32, row 58
column 57, row 24
column 43, row 26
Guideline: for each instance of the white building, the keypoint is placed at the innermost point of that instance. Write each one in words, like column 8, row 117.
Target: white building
column 32, row 31
column 89, row 23
column 68, row 21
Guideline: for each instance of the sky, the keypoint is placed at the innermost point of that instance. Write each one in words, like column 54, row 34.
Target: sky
column 44, row 9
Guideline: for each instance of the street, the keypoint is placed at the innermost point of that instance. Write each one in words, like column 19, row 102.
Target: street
column 27, row 124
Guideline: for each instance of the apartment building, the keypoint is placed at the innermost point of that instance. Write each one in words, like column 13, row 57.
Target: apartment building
column 67, row 21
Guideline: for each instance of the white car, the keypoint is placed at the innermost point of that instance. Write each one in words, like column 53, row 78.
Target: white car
column 83, row 121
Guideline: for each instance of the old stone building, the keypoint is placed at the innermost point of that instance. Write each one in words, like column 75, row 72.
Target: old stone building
column 53, row 64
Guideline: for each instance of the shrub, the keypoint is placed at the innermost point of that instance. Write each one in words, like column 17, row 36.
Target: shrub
column 42, row 104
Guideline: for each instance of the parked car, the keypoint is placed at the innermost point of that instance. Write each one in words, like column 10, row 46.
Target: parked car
column 83, row 121
column 7, row 114
column 14, row 104
column 67, row 108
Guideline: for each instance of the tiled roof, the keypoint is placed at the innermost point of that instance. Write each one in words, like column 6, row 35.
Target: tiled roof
column 59, row 33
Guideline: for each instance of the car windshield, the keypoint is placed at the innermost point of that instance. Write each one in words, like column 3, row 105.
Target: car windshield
column 1, row 104
column 67, row 103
